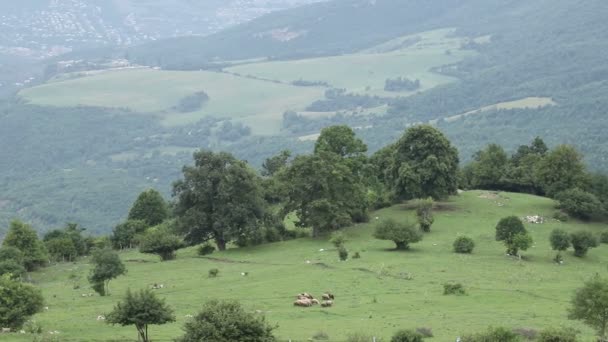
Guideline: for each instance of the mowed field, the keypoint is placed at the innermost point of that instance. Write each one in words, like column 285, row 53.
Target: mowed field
column 259, row 104
column 379, row 293
column 412, row 56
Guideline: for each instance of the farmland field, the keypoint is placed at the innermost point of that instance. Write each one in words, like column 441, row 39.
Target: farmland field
column 366, row 72
column 259, row 104
column 379, row 293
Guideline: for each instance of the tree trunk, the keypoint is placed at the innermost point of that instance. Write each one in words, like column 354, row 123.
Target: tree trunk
column 221, row 243
column 400, row 245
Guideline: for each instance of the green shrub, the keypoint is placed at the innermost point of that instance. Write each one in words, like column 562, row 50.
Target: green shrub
column 493, row 335
column 581, row 242
column 558, row 335
column 464, row 245
column 205, row 249
column 561, row 216
column 579, row 203
column 337, row 239
column 402, row 234
column 604, row 237
column 407, row 336
column 454, row 289
column 343, row 253
column 213, row 272
column 356, row 255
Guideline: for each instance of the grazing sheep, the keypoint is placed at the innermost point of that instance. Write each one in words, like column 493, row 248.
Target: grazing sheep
column 6, row 330
column 101, row 318
column 189, row 316
column 304, row 296
column 303, row 303
column 315, row 301
column 327, row 303
column 328, row 296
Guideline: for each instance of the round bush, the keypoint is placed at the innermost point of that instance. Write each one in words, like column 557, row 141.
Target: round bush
column 407, row 336
column 558, row 335
column 205, row 249
column 343, row 253
column 604, row 237
column 464, row 245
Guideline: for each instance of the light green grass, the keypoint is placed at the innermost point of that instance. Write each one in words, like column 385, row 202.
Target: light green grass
column 259, row 104
column 367, row 71
column 372, row 294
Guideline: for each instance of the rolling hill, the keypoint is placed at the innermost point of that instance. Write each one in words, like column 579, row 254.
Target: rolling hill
column 378, row 294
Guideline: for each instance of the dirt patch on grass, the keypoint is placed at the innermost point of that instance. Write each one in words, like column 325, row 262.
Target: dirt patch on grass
column 322, row 265
column 437, row 206
column 490, row 195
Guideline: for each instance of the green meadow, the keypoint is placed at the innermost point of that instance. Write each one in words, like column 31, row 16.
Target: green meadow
column 379, row 293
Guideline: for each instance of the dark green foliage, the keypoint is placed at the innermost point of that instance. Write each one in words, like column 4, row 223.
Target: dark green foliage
column 357, row 255
column 582, row 241
column 454, row 289
column 507, row 229
column 562, row 169
column 489, row 168
column 12, row 268
column 521, row 242
column 205, row 249
column 141, row 309
column 590, row 305
column 275, row 163
column 463, row 245
column 401, row 233
column 213, row 272
column 558, row 335
column 106, row 266
column 149, row 207
column 24, row 238
column 401, row 84
column 125, row 234
column 579, row 204
column 192, row 103
column 425, row 332
column 161, row 241
column 424, row 213
column 342, row 253
column 226, row 321
column 560, row 241
column 18, row 302
column 407, row 336
column 70, row 237
column 425, row 165
column 324, row 192
column 340, row 140
column 493, row 335
column 219, row 198
column 604, row 237
column 61, row 249
column 11, row 253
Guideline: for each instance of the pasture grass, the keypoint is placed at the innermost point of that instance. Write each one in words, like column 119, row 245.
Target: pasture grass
column 379, row 293
column 366, row 72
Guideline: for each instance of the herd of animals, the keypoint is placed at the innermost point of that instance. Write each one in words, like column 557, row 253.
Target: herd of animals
column 307, row 300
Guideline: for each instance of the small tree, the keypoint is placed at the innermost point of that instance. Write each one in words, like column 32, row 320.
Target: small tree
column 407, row 336
column 337, row 239
column 18, row 302
column 106, row 266
column 226, row 321
column 521, row 242
column 506, row 230
column 149, row 207
column 24, row 238
column 424, row 213
column 581, row 242
column 342, row 253
column 61, row 249
column 560, row 241
column 464, row 245
column 124, row 235
column 160, row 241
column 11, row 262
column 402, row 234
column 590, row 305
column 141, row 309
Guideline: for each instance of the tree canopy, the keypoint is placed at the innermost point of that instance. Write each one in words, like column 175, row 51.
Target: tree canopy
column 590, row 305
column 23, row 237
column 106, row 266
column 149, row 207
column 18, row 302
column 425, row 164
column 219, row 198
column 141, row 309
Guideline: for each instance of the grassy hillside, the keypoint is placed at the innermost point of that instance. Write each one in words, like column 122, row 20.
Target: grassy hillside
column 377, row 294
